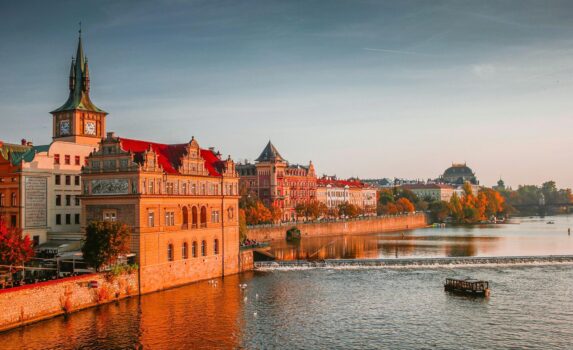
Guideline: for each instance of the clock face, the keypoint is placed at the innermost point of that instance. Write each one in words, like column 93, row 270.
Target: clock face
column 90, row 128
column 65, row 127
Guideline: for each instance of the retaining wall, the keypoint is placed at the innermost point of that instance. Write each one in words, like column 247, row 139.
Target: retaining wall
column 364, row 226
column 34, row 302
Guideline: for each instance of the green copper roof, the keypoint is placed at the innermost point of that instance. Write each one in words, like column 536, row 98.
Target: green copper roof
column 79, row 83
column 18, row 153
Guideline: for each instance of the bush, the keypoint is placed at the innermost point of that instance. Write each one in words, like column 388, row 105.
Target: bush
column 105, row 242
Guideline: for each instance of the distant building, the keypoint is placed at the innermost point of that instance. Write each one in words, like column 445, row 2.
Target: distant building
column 435, row 192
column 458, row 174
column 278, row 183
column 334, row 192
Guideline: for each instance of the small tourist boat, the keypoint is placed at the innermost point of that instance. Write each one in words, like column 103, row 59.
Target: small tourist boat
column 550, row 222
column 468, row 286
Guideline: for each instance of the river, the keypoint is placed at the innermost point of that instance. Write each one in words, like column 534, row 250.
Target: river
column 329, row 308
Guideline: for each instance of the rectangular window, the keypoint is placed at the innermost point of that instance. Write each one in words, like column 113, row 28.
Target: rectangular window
column 77, row 219
column 169, row 218
column 13, row 221
column 68, row 180
column 58, row 219
column 68, row 200
column 68, row 219
column 151, row 186
column 56, row 159
column 67, row 159
column 151, row 219
column 58, row 180
column 58, row 200
column 77, row 160
column 123, row 163
column 77, row 180
column 110, row 215
column 215, row 216
column 77, row 200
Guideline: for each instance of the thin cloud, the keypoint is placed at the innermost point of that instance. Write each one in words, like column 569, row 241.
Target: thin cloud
column 399, row 52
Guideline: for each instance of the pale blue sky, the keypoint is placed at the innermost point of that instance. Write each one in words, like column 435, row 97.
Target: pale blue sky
column 363, row 88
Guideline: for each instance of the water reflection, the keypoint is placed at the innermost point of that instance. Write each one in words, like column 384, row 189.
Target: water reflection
column 198, row 316
column 526, row 236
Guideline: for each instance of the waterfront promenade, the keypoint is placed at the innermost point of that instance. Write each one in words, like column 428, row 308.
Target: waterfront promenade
column 373, row 224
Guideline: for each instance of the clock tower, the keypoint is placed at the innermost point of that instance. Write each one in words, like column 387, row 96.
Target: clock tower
column 79, row 120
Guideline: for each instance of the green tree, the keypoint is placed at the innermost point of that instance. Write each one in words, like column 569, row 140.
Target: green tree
column 105, row 242
column 439, row 210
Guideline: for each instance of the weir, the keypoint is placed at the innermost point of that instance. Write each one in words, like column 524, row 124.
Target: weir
column 414, row 262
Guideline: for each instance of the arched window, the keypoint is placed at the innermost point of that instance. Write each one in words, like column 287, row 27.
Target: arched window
column 194, row 217
column 194, row 249
column 170, row 252
column 203, row 248
column 1, row 199
column 13, row 199
column 185, row 214
column 185, row 251
column 203, row 217
column 216, row 247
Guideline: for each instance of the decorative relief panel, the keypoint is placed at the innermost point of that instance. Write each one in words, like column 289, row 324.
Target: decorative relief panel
column 36, row 201
column 110, row 186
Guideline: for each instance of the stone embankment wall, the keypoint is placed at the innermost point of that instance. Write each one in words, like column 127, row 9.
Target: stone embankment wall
column 34, row 302
column 363, row 226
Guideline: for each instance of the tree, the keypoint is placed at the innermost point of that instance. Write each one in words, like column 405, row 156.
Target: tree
column 242, row 225
column 258, row 214
column 456, row 209
column 14, row 249
column 439, row 210
column 105, row 242
column 404, row 205
column 385, row 196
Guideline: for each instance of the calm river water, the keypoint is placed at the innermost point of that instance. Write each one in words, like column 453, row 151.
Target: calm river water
column 380, row 308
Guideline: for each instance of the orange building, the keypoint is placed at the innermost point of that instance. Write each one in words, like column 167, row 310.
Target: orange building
column 278, row 183
column 181, row 202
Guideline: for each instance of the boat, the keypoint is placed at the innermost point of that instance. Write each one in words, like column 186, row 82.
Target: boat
column 550, row 222
column 467, row 286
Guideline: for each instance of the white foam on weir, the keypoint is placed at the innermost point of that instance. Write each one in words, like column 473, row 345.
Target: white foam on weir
column 446, row 262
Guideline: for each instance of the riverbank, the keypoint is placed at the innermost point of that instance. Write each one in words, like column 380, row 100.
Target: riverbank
column 376, row 224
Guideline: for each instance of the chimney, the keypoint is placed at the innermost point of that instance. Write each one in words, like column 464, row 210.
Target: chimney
column 23, row 142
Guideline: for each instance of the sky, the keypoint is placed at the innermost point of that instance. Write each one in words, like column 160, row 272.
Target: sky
column 362, row 88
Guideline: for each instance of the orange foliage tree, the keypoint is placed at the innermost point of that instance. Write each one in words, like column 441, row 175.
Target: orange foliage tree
column 404, row 205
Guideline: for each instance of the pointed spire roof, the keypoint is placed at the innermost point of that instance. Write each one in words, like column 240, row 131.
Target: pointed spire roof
column 79, row 97
column 270, row 153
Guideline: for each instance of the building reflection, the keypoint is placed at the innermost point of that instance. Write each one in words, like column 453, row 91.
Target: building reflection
column 389, row 245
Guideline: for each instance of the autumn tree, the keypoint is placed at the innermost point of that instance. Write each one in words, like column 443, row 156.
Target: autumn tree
column 14, row 249
column 105, row 242
column 258, row 214
column 404, row 205
column 242, row 225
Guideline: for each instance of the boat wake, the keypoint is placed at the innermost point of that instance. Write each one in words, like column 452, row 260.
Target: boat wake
column 449, row 262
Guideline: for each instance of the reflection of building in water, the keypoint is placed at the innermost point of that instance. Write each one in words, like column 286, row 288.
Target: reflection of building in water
column 204, row 316
column 318, row 248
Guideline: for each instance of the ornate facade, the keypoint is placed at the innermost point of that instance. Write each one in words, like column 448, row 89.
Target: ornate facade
column 278, row 183
column 181, row 202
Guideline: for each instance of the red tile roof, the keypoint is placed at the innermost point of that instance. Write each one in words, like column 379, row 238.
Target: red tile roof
column 169, row 156
column 426, row 186
column 340, row 183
